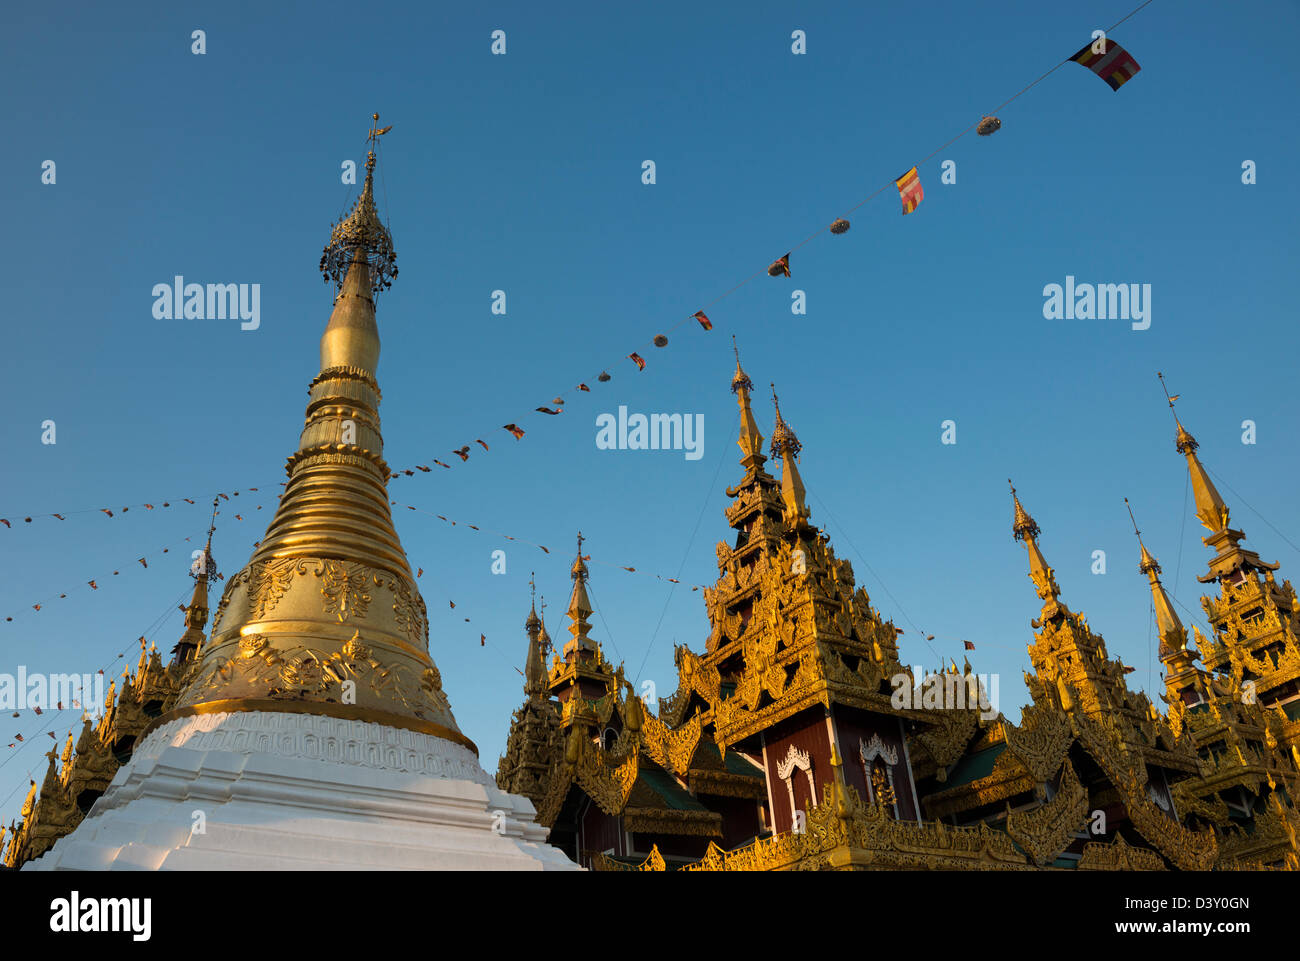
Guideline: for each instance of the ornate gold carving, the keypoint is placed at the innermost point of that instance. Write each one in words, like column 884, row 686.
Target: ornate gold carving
column 267, row 583
column 1046, row 831
column 344, row 588
column 1040, row 741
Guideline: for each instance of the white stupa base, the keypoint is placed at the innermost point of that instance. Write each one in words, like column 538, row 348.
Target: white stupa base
column 256, row 791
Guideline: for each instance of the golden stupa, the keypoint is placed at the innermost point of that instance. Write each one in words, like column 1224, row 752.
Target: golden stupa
column 326, row 617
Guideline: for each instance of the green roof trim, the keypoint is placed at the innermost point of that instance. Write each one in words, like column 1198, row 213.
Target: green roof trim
column 674, row 795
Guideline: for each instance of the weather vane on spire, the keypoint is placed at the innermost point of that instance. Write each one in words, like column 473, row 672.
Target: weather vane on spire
column 1168, row 397
column 1133, row 519
column 373, row 140
column 361, row 237
column 1185, row 442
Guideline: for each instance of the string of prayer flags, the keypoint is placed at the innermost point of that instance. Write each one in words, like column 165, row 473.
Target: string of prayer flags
column 1103, row 56
column 909, row 189
column 1108, row 60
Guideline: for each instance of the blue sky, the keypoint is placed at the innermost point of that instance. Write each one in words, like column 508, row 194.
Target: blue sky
column 523, row 173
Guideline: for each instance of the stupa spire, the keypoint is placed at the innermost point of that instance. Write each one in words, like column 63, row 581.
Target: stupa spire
column 326, row 618
column 1024, row 528
column 1173, row 636
column 203, row 570
column 534, row 667
column 1210, row 507
column 786, row 446
column 579, row 607
column 751, row 440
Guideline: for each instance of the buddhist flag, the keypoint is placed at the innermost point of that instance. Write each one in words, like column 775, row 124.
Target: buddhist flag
column 462, row 452
column 704, row 320
column 547, row 410
column 780, row 267
column 909, row 189
column 1115, row 65
column 515, row 429
column 483, row 444
column 970, row 646
column 637, row 359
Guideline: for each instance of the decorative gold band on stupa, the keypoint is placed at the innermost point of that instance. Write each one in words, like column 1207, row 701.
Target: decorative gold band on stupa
column 326, row 617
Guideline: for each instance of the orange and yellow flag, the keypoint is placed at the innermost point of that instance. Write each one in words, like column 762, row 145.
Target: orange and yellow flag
column 909, row 189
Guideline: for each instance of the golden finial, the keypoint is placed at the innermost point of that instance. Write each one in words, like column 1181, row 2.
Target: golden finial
column 532, row 624
column 1211, row 510
column 741, row 381
column 361, row 237
column 579, row 605
column 1147, row 563
column 534, row 668
column 783, row 438
column 1185, row 442
column 1173, row 637
column 1022, row 525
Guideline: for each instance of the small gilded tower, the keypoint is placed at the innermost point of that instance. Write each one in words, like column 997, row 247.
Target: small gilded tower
column 1255, row 621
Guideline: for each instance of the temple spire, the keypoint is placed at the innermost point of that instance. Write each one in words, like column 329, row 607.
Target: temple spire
column 534, row 668
column 1024, row 528
column 203, row 570
column 751, row 441
column 1210, row 507
column 1173, row 636
column 786, row 446
column 579, row 607
column 361, row 261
